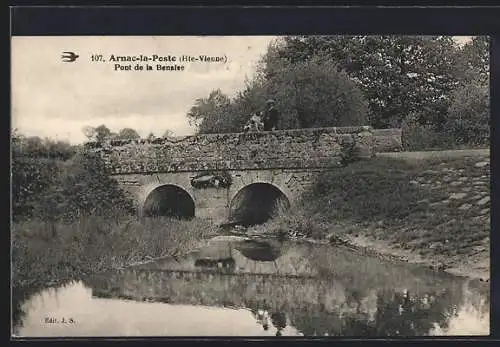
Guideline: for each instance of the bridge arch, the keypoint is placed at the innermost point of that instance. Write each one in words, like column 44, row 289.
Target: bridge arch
column 168, row 200
column 256, row 203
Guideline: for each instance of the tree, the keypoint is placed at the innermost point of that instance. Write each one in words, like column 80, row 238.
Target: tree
column 128, row 134
column 36, row 147
column 473, row 61
column 308, row 94
column 315, row 93
column 208, row 108
column 469, row 114
column 84, row 176
column 102, row 133
column 30, row 178
column 98, row 134
column 31, row 173
column 59, row 149
column 397, row 74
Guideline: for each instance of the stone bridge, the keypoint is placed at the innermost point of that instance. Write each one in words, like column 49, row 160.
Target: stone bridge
column 237, row 177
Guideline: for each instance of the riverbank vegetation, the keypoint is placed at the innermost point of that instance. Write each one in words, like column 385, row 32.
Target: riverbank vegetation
column 438, row 209
column 71, row 220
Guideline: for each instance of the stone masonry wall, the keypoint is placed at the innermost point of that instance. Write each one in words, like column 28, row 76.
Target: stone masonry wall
column 305, row 148
column 212, row 202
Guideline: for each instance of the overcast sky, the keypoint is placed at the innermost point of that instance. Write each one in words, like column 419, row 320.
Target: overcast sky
column 57, row 99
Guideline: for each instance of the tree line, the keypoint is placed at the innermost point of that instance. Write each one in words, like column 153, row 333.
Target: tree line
column 47, row 175
column 102, row 132
column 428, row 85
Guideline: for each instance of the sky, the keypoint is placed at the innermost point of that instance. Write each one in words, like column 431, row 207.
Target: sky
column 56, row 99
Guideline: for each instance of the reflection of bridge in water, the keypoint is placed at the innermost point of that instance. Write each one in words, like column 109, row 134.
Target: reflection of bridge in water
column 316, row 302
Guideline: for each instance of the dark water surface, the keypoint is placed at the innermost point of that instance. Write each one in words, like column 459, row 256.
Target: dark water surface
column 237, row 287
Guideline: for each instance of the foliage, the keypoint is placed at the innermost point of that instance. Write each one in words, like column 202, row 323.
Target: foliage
column 98, row 134
column 315, row 79
column 402, row 203
column 127, row 134
column 208, row 109
column 53, row 183
column 423, row 137
column 36, row 147
column 295, row 223
column 307, row 94
column 467, row 118
column 365, row 191
column 467, row 126
column 385, row 194
column 398, row 74
column 473, row 61
column 29, row 180
column 35, row 166
column 469, row 115
column 315, row 94
column 85, row 177
column 94, row 244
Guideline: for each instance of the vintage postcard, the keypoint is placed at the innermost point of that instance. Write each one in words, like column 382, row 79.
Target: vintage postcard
column 250, row 186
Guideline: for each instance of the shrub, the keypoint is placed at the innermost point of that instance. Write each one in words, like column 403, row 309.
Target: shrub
column 418, row 137
column 315, row 93
column 295, row 223
column 31, row 177
column 83, row 188
column 469, row 115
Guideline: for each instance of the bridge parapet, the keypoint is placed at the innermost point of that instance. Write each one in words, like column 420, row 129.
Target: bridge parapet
column 298, row 148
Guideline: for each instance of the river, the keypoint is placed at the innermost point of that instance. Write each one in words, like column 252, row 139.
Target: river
column 261, row 287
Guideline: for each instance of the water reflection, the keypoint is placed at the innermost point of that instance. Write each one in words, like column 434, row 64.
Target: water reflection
column 109, row 317
column 260, row 288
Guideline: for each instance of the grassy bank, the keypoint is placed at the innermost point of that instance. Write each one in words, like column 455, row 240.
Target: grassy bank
column 432, row 210
column 46, row 254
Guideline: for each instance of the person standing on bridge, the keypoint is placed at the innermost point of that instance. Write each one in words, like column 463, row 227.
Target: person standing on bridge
column 271, row 116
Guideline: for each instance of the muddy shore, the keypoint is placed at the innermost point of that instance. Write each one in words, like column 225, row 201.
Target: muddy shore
column 475, row 266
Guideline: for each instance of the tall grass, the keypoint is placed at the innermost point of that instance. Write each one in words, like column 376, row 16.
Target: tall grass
column 292, row 222
column 51, row 253
column 93, row 244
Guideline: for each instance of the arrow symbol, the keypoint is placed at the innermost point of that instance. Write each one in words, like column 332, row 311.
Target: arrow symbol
column 69, row 57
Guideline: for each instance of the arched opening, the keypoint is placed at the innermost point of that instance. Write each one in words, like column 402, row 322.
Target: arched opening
column 257, row 203
column 169, row 201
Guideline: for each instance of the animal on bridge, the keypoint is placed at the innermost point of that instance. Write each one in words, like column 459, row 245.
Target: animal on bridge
column 255, row 123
